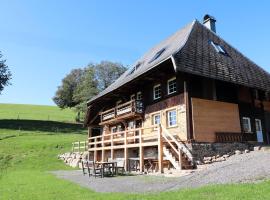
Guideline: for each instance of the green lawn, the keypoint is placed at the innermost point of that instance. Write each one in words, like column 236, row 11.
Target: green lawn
column 48, row 113
column 29, row 149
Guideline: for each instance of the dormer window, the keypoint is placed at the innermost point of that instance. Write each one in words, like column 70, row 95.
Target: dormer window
column 218, row 48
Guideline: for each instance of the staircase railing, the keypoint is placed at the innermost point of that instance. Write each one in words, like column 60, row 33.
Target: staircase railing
column 181, row 147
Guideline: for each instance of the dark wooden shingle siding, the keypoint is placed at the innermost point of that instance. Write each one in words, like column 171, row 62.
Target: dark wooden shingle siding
column 199, row 57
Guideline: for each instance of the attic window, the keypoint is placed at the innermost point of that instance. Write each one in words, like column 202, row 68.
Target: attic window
column 218, row 48
column 157, row 55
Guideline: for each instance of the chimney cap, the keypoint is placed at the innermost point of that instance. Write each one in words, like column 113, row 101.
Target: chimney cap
column 208, row 17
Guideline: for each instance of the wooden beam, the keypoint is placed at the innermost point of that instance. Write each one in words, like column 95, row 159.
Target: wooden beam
column 188, row 112
column 112, row 150
column 160, row 151
column 125, row 150
column 103, row 150
column 141, row 149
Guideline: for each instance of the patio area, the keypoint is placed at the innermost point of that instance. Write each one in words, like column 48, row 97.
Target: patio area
column 251, row 167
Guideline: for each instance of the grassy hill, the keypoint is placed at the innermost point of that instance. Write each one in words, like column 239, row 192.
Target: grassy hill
column 28, row 152
column 36, row 112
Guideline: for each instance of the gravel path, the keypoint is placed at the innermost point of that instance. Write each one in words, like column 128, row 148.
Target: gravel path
column 249, row 167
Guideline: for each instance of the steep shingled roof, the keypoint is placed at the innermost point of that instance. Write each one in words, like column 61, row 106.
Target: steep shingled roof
column 171, row 46
column 193, row 53
column 199, row 57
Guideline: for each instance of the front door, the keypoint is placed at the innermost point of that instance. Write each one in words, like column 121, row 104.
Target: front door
column 259, row 132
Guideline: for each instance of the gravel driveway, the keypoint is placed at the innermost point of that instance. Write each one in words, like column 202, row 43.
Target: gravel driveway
column 248, row 167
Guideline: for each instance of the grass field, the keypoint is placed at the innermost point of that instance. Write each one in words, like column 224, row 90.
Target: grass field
column 29, row 149
column 36, row 112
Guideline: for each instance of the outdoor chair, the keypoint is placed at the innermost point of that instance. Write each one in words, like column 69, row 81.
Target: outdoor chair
column 92, row 169
column 120, row 167
column 86, row 168
column 97, row 170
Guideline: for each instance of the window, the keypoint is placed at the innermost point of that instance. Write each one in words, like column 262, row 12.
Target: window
column 172, row 118
column 139, row 96
column 132, row 70
column 157, row 55
column 157, row 91
column 171, row 85
column 114, row 129
column 131, row 125
column 246, row 124
column 256, row 94
column 132, row 97
column 218, row 48
column 156, row 119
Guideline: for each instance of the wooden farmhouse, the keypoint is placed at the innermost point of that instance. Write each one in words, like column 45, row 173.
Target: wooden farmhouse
column 192, row 89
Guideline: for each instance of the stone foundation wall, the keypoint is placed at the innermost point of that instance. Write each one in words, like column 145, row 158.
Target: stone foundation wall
column 202, row 150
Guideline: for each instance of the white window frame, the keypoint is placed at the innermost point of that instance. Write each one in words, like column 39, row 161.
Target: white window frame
column 139, row 94
column 168, row 84
column 249, row 124
column 114, row 128
column 168, row 118
column 153, row 119
column 154, row 93
column 132, row 97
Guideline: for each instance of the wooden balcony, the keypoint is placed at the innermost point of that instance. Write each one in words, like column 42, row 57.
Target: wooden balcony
column 131, row 109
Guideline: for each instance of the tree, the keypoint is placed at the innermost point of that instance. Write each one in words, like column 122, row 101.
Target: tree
column 5, row 74
column 64, row 96
column 107, row 72
column 86, row 89
column 80, row 85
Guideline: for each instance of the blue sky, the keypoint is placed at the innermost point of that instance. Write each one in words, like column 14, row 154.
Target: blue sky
column 43, row 40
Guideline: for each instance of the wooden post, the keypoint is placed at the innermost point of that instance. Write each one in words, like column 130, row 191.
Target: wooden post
column 73, row 147
column 141, row 152
column 126, row 151
column 95, row 151
column 112, row 150
column 102, row 151
column 160, row 150
column 79, row 146
column 180, row 158
column 188, row 112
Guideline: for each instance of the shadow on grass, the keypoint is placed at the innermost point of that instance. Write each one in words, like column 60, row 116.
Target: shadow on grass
column 43, row 126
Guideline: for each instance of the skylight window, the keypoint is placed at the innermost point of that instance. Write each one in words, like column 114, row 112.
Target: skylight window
column 138, row 65
column 157, row 55
column 218, row 48
column 133, row 69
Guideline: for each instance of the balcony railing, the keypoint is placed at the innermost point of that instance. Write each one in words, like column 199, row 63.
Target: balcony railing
column 128, row 108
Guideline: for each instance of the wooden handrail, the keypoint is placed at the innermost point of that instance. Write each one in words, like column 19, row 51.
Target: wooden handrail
column 179, row 144
column 124, row 104
column 116, row 111
column 107, row 111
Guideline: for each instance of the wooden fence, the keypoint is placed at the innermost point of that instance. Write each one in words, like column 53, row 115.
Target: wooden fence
column 80, row 146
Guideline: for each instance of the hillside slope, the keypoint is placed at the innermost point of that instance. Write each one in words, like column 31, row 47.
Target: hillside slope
column 36, row 112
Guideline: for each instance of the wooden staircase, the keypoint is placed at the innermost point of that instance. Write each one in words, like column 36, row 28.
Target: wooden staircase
column 176, row 151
